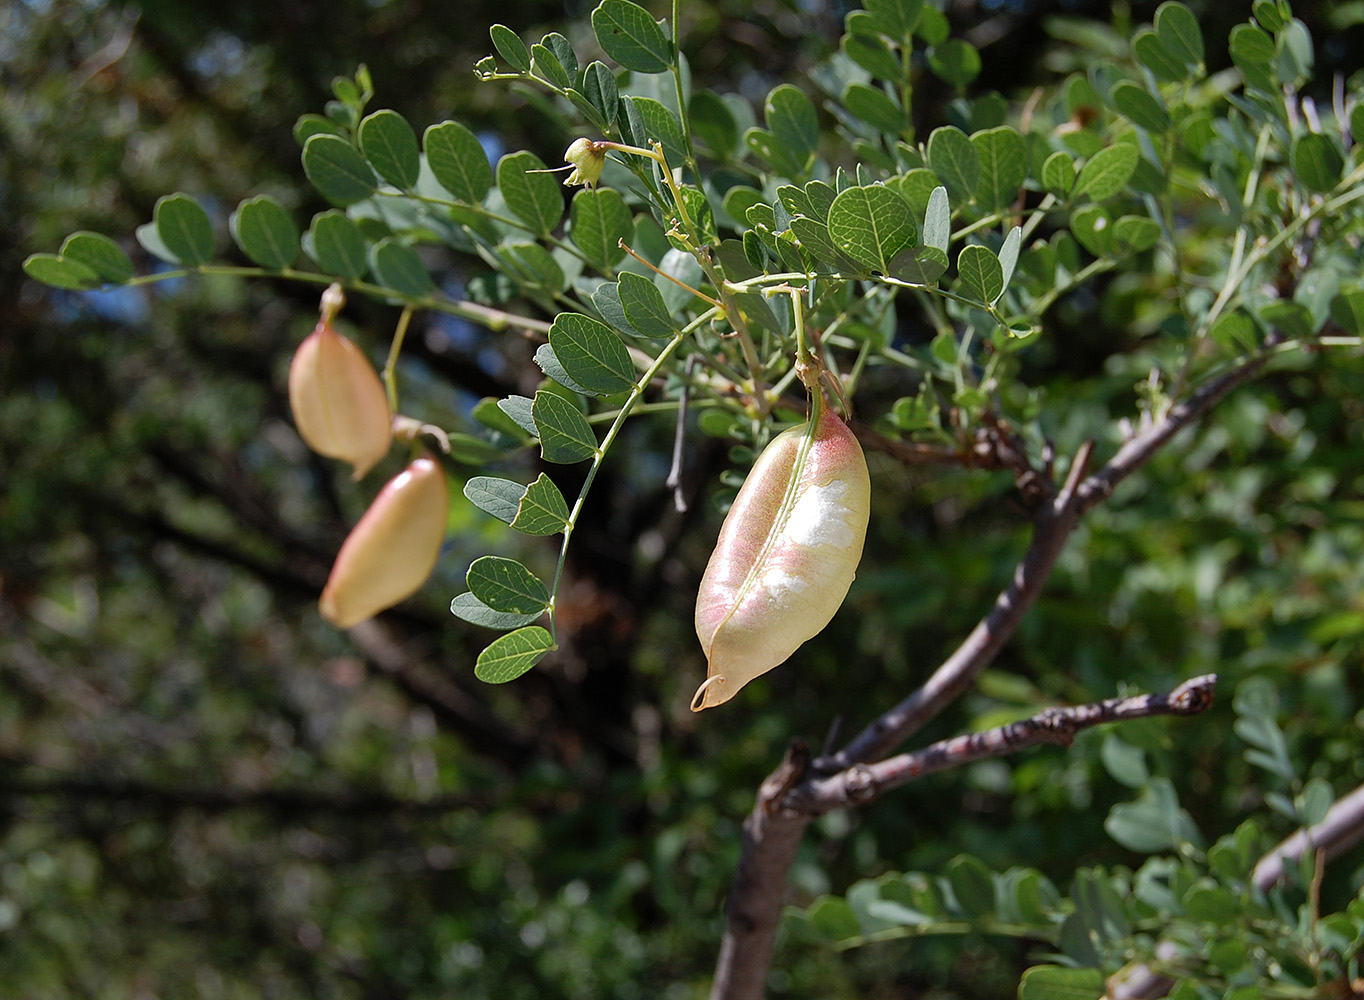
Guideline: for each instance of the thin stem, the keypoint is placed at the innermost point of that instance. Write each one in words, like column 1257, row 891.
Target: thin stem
column 599, row 456
column 395, row 348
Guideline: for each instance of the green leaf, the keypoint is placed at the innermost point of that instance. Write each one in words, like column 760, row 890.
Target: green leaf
column 1008, row 253
column 953, row 157
column 534, row 198
column 490, row 415
column 938, row 220
column 543, row 510
column 629, row 35
column 100, row 254
column 1107, row 172
column 1316, row 161
column 1135, row 233
column 874, row 107
column 1057, row 982
column 184, row 228
column 955, row 61
column 337, row 170
column 598, row 221
column 644, row 308
column 1154, row 56
column 458, row 161
column 592, row 355
column 874, row 56
column 1003, row 166
column 467, row 449
column 264, row 231
column 510, row 47
column 872, row 225
column 606, row 300
column 549, row 364
column 925, row 267
column 1292, row 318
column 1347, row 311
column 511, row 655
column 896, row 19
column 1179, row 34
column 520, row 409
column 1252, row 50
column 1137, row 105
column 563, row 52
column 791, row 117
column 338, row 246
column 474, row 611
column 972, row 884
column 547, row 65
column 533, row 266
column 308, row 126
column 659, row 124
column 979, row 274
column 1093, row 229
column 1125, row 762
column 60, row 272
column 565, row 435
column 498, row 497
column 1235, row 332
column 397, row 266
column 506, row 585
column 599, row 87
column 390, row 145
column 1267, row 13
column 833, row 918
column 713, row 123
column 1154, row 822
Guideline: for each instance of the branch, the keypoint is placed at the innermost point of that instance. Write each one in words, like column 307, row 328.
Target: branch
column 773, row 830
column 1341, row 829
column 862, row 783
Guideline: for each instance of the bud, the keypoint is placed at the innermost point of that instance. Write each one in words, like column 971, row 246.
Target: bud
column 587, row 158
column 786, row 555
column 338, row 402
column 391, row 551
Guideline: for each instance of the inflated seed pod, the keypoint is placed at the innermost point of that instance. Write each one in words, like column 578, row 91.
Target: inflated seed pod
column 392, row 549
column 338, row 402
column 786, row 556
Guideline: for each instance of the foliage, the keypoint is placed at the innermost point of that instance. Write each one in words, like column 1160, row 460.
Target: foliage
column 1056, row 267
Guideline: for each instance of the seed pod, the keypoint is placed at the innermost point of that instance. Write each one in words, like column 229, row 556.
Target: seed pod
column 392, row 549
column 786, row 555
column 339, row 404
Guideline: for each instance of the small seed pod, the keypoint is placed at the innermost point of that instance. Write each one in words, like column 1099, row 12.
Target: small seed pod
column 392, row 549
column 338, row 402
column 786, row 556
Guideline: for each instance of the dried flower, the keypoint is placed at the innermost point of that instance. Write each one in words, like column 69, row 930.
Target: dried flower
column 392, row 549
column 587, row 158
column 338, row 402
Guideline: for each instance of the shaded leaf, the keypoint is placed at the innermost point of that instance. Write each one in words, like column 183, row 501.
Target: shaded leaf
column 979, row 274
column 184, row 228
column 1178, row 31
column 265, row 233
column 953, row 157
column 60, row 272
column 629, row 35
column 397, row 266
column 1003, row 166
column 591, row 354
column 338, row 246
column 458, row 161
column 565, row 435
column 495, row 496
column 337, row 170
column 100, row 254
column 1139, row 107
column 1316, row 161
column 510, row 47
column 390, row 145
column 534, row 198
column 474, row 611
column 644, row 308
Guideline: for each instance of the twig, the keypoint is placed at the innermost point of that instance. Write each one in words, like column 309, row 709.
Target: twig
column 861, row 783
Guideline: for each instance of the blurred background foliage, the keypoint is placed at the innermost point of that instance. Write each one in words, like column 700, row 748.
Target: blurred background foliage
column 205, row 791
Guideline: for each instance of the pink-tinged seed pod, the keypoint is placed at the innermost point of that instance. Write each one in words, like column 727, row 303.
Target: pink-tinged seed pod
column 786, row 555
column 338, row 402
column 392, row 549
